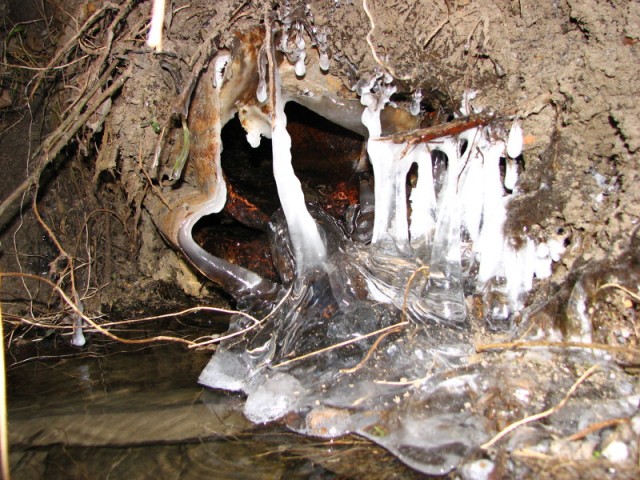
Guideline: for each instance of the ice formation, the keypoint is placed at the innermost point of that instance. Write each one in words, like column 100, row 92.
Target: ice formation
column 456, row 229
column 309, row 248
column 467, row 215
column 315, row 362
column 78, row 339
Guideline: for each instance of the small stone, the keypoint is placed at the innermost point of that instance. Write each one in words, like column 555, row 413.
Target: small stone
column 616, row 452
column 478, row 470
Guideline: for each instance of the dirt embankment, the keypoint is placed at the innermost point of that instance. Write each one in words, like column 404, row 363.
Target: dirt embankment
column 569, row 67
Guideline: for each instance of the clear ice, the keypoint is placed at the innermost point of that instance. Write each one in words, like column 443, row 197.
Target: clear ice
column 403, row 271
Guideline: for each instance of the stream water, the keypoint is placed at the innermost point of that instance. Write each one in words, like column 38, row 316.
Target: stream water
column 113, row 411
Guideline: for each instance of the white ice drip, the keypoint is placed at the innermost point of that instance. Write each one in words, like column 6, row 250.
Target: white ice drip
column 309, row 248
column 423, row 199
column 472, row 204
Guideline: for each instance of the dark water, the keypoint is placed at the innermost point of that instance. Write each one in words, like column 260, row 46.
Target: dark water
column 122, row 412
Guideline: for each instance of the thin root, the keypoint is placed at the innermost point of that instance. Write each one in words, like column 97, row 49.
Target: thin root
column 635, row 296
column 594, row 427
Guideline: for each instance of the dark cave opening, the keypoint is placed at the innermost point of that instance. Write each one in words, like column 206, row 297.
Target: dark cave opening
column 327, row 160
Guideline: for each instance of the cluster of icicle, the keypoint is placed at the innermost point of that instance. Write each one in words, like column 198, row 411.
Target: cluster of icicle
column 457, row 232
column 320, row 360
column 315, row 361
column 467, row 215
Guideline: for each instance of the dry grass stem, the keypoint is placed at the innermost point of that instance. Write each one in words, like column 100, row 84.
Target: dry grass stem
column 368, row 355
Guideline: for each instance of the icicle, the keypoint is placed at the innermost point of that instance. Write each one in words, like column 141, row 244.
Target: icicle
column 390, row 171
column 321, row 42
column 490, row 244
column 497, row 309
column 514, row 150
column 324, row 61
column 511, row 174
column 255, row 123
column 556, row 249
column 444, row 298
column 423, row 200
column 466, row 108
column 543, row 261
column 471, row 186
column 415, row 103
column 309, row 249
column 519, row 268
column 515, row 141
column 78, row 339
column 261, row 92
column 399, row 226
column 300, row 67
column 578, row 313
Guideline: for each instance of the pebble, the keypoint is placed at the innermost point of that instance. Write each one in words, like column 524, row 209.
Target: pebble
column 616, row 452
column 478, row 470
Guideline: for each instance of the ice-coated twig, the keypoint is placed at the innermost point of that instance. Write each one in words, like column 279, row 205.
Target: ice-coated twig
column 341, row 344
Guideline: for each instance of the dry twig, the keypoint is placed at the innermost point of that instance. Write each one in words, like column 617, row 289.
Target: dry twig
column 384, row 66
column 369, row 353
column 439, row 27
